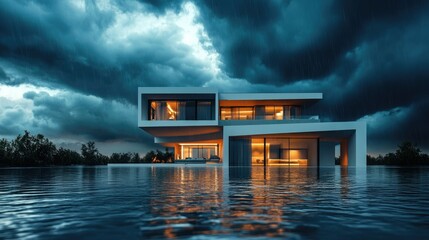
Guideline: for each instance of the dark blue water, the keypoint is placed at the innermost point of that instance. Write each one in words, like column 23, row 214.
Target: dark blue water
column 204, row 202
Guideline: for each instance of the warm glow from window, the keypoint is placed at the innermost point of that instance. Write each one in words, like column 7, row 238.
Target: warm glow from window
column 198, row 151
column 171, row 112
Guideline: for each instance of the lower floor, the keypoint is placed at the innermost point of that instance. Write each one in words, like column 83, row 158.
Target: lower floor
column 279, row 145
column 265, row 151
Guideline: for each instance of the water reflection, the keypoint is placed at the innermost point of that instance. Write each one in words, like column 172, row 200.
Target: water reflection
column 172, row 201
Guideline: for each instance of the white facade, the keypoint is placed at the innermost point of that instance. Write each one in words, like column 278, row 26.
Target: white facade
column 239, row 129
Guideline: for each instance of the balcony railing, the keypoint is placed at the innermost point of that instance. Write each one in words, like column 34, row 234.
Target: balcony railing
column 271, row 118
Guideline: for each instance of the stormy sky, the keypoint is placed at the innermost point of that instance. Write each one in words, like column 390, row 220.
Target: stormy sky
column 70, row 69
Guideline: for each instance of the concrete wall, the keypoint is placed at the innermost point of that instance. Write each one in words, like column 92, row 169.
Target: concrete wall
column 357, row 148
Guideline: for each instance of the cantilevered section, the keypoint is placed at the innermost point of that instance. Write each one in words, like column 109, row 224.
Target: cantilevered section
column 176, row 107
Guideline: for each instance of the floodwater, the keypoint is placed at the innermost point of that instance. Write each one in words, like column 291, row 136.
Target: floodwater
column 205, row 202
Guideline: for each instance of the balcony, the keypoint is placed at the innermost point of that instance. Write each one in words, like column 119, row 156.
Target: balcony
column 262, row 114
column 253, row 121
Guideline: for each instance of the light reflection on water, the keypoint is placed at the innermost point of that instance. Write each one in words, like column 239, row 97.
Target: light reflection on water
column 165, row 201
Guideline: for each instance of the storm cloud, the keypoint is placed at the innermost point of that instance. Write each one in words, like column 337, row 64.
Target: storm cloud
column 369, row 58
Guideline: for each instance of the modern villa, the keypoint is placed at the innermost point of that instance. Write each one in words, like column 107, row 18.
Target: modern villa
column 247, row 129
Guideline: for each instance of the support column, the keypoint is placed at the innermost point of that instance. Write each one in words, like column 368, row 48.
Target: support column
column 225, row 147
column 344, row 153
column 318, row 153
column 357, row 147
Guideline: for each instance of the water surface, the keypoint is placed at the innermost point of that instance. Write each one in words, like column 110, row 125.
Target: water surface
column 203, row 202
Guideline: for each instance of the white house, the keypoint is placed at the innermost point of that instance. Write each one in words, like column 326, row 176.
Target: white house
column 245, row 129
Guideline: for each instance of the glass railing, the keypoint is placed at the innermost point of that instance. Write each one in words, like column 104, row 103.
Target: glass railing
column 272, row 118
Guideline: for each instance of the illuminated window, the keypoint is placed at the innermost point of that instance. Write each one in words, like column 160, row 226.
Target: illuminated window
column 236, row 113
column 181, row 110
column 199, row 151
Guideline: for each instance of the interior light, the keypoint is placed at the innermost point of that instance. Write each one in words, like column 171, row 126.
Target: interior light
column 170, row 109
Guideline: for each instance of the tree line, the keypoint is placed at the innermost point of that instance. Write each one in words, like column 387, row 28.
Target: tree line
column 407, row 154
column 36, row 150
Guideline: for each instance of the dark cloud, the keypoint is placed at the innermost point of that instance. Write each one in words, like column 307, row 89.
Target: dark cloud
column 161, row 6
column 247, row 13
column 388, row 128
column 68, row 114
column 66, row 46
column 297, row 39
column 367, row 57
column 3, row 75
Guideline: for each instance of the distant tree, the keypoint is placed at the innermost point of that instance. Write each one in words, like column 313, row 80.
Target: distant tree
column 124, row 158
column 28, row 150
column 67, row 157
column 5, row 153
column 161, row 157
column 149, row 157
column 44, row 150
column 115, row 158
column 168, row 156
column 370, row 160
column 91, row 155
column 102, row 160
column 135, row 158
column 407, row 154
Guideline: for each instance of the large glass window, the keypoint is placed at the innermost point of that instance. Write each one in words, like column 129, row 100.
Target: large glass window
column 269, row 112
column 197, row 151
column 181, row 110
column 163, row 110
column 236, row 113
column 204, row 110
column 246, row 151
column 295, row 112
column 260, row 112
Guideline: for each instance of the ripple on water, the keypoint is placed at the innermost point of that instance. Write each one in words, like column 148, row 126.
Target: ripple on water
column 138, row 202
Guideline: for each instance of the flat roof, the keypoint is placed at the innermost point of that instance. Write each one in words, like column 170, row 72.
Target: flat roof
column 231, row 96
column 270, row 96
column 178, row 90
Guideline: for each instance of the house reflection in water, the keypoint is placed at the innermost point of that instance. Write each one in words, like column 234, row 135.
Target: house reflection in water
column 211, row 199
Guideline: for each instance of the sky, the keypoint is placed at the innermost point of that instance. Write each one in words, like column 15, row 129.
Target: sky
column 70, row 69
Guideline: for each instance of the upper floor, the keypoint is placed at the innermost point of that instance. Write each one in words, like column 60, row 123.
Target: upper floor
column 200, row 106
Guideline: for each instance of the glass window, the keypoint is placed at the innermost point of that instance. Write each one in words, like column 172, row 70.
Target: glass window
column 245, row 113
column 240, row 151
column 259, row 112
column 236, row 113
column 204, row 110
column 171, row 110
column 181, row 110
column 190, row 110
column 286, row 112
column 295, row 112
column 161, row 111
column 278, row 112
column 257, row 151
column 199, row 151
column 269, row 112
column 225, row 113
column 152, row 111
